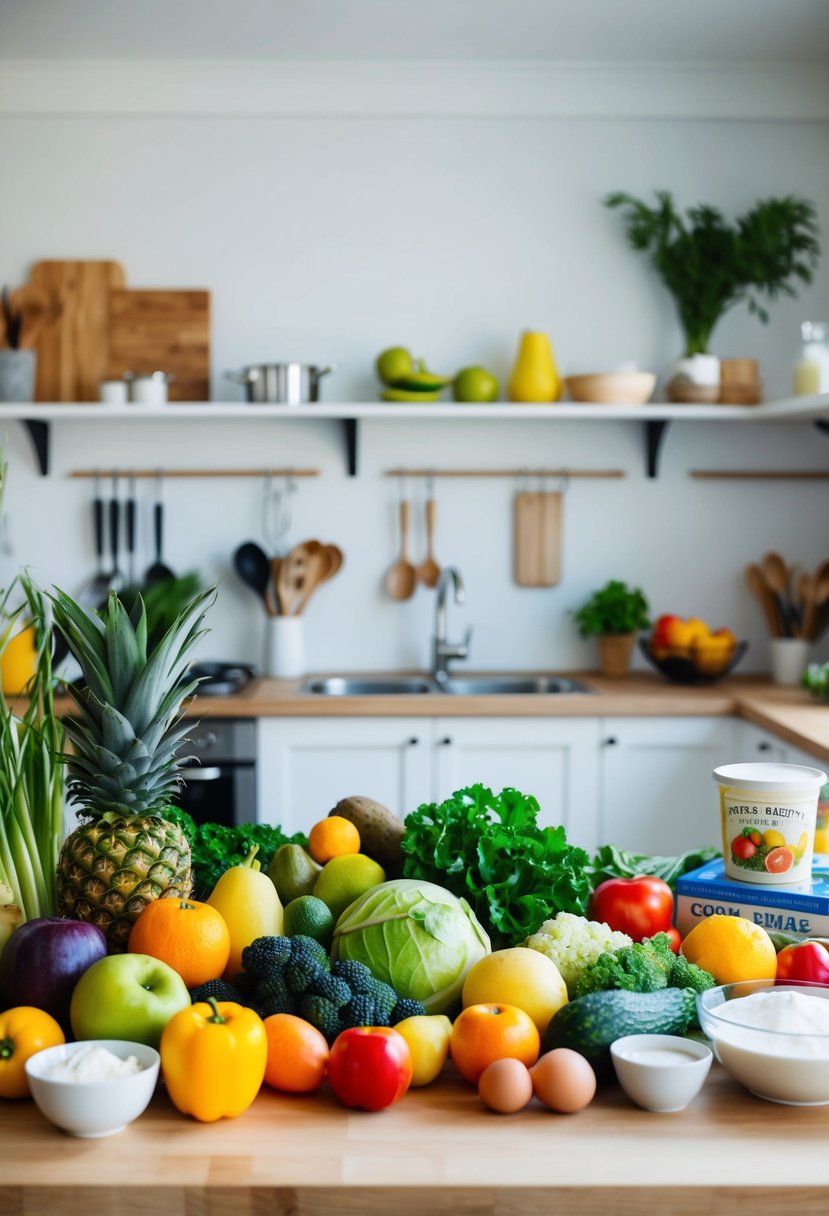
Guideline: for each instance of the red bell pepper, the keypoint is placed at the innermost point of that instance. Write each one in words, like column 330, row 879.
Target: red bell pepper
column 369, row 1067
column 638, row 906
column 808, row 961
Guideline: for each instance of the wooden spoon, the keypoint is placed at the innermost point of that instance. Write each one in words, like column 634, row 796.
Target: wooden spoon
column 806, row 592
column 758, row 587
column 776, row 574
column 290, row 587
column 402, row 578
column 428, row 572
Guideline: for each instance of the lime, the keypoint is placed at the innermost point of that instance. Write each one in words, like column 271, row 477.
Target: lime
column 345, row 878
column 393, row 364
column 309, row 916
column 475, row 384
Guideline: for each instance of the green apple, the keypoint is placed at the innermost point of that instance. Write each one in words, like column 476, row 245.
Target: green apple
column 127, row 996
column 393, row 364
column 475, row 384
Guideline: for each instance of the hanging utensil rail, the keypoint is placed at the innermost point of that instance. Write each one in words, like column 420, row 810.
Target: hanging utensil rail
column 168, row 473
column 524, row 472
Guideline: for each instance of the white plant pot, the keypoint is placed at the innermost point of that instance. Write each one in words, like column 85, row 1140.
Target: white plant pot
column 701, row 370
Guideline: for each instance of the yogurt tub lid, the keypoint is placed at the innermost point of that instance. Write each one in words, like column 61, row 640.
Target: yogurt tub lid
column 769, row 776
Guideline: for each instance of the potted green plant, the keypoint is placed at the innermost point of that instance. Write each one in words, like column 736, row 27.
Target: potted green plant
column 709, row 266
column 614, row 614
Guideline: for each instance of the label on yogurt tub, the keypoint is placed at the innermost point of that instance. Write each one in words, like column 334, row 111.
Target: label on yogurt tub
column 768, row 814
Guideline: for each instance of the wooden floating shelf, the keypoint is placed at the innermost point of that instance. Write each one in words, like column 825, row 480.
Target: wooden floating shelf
column 656, row 416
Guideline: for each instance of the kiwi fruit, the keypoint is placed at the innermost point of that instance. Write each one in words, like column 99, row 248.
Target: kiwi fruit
column 380, row 830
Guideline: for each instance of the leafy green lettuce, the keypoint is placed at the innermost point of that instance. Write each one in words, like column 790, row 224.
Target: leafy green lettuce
column 216, row 847
column 489, row 849
column 612, row 862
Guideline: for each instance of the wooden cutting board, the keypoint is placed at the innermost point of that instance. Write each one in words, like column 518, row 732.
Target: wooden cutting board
column 166, row 331
column 537, row 517
column 72, row 349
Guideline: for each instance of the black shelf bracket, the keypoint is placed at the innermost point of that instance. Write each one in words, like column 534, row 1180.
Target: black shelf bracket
column 654, row 434
column 351, row 434
column 822, row 425
column 39, row 432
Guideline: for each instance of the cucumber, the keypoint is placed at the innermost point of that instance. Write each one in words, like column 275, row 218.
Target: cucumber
column 591, row 1023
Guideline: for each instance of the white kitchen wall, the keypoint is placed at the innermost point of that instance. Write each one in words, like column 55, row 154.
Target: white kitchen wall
column 325, row 239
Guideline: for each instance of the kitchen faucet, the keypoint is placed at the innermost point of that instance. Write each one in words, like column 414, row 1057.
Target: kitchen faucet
column 443, row 651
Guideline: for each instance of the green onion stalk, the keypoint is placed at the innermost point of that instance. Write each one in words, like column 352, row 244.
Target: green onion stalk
column 31, row 764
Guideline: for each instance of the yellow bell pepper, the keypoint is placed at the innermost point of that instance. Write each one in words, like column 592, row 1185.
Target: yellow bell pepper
column 24, row 1030
column 213, row 1058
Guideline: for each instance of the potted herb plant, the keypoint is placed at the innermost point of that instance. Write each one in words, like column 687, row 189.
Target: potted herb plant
column 614, row 614
column 709, row 266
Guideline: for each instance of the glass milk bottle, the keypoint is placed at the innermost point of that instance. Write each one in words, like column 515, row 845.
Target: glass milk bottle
column 811, row 372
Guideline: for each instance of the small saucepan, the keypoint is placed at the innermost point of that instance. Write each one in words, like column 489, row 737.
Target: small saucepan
column 281, row 383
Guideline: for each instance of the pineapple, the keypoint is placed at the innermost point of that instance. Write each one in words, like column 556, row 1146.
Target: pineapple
column 123, row 767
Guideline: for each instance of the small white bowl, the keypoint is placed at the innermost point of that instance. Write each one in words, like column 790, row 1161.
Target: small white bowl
column 93, row 1108
column 661, row 1072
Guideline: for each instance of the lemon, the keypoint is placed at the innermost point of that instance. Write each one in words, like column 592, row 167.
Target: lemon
column 394, row 364
column 773, row 839
column 19, row 661
column 310, row 917
column 517, row 976
column 345, row 878
column 428, row 1038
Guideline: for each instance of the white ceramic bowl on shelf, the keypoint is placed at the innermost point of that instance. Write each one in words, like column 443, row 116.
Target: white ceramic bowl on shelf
column 93, row 1108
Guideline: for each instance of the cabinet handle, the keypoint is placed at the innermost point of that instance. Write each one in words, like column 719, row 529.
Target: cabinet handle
column 611, row 741
column 445, row 742
column 764, row 747
column 413, row 742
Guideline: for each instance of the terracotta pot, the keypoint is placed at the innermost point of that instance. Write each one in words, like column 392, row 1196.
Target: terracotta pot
column 615, row 650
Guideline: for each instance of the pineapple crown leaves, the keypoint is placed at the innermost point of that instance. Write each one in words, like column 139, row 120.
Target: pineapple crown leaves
column 124, row 745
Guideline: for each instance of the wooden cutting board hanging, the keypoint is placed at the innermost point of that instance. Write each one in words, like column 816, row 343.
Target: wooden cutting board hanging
column 538, row 519
column 72, row 349
column 167, row 331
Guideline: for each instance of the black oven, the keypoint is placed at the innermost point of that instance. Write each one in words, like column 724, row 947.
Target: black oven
column 220, row 780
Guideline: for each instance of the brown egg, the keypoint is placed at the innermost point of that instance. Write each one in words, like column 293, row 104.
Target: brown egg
column 505, row 1086
column 563, row 1080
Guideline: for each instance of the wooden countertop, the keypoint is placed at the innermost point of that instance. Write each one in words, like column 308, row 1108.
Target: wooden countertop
column 789, row 713
column 437, row 1151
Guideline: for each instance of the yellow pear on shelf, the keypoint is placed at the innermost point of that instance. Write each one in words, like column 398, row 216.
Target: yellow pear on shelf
column 534, row 375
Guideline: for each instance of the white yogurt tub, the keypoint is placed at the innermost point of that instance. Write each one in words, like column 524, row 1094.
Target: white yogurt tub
column 768, row 814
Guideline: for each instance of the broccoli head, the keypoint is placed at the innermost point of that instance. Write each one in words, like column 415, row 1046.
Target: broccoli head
column 689, row 975
column 323, row 1014
column 643, row 967
column 265, row 954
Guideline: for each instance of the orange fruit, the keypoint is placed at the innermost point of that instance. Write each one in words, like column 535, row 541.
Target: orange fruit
column 189, row 936
column 732, row 949
column 483, row 1033
column 297, row 1054
column 332, row 837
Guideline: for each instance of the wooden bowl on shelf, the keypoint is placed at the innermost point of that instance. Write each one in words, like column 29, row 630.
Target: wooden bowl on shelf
column 612, row 388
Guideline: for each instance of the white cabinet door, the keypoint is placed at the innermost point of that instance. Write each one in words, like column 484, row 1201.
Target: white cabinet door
column 752, row 743
column 657, row 794
column 554, row 759
column 306, row 765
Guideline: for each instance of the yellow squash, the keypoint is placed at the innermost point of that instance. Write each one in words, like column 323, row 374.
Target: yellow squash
column 213, row 1058
column 251, row 908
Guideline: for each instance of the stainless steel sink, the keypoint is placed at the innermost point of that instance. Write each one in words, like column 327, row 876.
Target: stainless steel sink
column 459, row 686
column 471, row 686
column 368, row 686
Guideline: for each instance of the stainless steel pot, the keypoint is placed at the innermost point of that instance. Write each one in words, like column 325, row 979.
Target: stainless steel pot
column 281, row 383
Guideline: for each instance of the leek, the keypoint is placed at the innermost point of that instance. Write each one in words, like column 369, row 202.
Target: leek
column 31, row 764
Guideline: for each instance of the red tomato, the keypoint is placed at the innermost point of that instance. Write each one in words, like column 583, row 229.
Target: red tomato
column 742, row 847
column 676, row 940
column 808, row 961
column 639, row 906
column 369, row 1067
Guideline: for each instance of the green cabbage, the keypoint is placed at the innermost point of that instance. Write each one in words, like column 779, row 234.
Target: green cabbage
column 414, row 935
